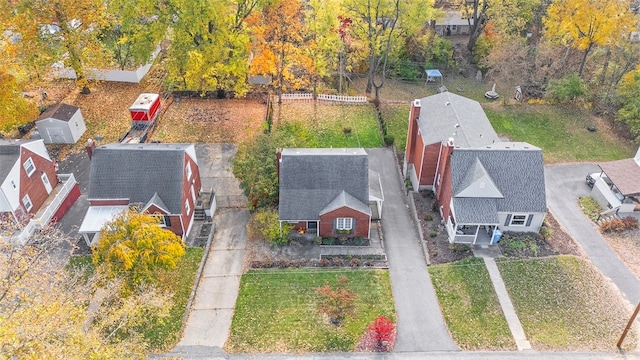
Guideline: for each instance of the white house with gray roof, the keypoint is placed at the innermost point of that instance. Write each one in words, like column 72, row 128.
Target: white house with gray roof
column 492, row 189
column 328, row 192
column 162, row 180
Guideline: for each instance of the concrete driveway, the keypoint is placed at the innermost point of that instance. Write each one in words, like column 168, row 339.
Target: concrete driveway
column 565, row 183
column 420, row 323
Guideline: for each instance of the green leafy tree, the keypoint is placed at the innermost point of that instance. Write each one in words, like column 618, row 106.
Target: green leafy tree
column 567, row 88
column 264, row 224
column 136, row 29
column 133, row 246
column 629, row 94
column 209, row 47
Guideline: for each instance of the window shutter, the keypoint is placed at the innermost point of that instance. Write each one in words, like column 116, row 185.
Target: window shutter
column 167, row 220
column 506, row 222
column 529, row 219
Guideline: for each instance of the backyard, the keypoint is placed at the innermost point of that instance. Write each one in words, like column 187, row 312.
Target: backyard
column 277, row 310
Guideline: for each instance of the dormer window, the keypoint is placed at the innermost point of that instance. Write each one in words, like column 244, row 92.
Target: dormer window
column 29, row 166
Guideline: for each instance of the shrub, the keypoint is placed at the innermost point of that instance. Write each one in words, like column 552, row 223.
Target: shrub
column 612, row 225
column 389, row 139
column 630, row 223
column 546, row 232
column 567, row 88
column 338, row 302
column 380, row 336
column 355, row 262
column 428, row 217
column 264, row 224
column 433, row 234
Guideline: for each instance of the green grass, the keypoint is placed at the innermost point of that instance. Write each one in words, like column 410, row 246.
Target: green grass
column 276, row 310
column 163, row 335
column 332, row 125
column 564, row 303
column 590, row 207
column 560, row 131
column 470, row 306
column 396, row 116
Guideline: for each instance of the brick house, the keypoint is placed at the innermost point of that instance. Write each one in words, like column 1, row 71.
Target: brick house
column 489, row 190
column 434, row 122
column 159, row 179
column 328, row 192
column 31, row 192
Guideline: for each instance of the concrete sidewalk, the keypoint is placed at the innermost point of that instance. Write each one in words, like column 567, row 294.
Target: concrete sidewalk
column 210, row 318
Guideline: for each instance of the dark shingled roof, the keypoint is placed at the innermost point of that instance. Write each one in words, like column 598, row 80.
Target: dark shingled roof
column 139, row 172
column 311, row 179
column 62, row 112
column 440, row 113
column 517, row 171
column 9, row 154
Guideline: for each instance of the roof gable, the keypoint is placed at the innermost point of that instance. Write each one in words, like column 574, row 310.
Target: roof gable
column 447, row 116
column 478, row 183
column 517, row 172
column 310, row 179
column 10, row 151
column 344, row 199
column 139, row 172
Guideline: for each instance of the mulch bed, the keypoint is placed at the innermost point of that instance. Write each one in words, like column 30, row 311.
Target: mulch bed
column 511, row 245
column 328, row 261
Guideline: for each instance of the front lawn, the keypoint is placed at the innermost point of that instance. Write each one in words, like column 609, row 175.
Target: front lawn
column 564, row 303
column 332, row 125
column 560, row 131
column 163, row 335
column 470, row 306
column 277, row 310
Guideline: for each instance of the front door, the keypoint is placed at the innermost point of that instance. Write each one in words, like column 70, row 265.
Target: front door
column 45, row 181
column 312, row 227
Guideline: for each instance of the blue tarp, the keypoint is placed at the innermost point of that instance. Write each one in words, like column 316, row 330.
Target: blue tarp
column 433, row 73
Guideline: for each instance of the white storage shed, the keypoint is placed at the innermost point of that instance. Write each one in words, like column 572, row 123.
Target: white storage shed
column 61, row 124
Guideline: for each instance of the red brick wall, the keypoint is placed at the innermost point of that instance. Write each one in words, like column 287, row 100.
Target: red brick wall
column 362, row 222
column 444, row 193
column 73, row 195
column 186, row 191
column 155, row 210
column 412, row 133
column 176, row 226
column 33, row 186
column 429, row 164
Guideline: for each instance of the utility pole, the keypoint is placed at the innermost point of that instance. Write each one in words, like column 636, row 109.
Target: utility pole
column 626, row 328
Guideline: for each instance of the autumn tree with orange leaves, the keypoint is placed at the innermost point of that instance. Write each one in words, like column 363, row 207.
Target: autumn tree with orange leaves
column 280, row 44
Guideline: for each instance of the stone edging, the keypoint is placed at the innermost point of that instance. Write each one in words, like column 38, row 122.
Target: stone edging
column 196, row 281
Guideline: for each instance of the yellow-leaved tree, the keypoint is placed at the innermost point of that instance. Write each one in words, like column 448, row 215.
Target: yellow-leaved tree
column 583, row 24
column 133, row 245
column 48, row 311
column 16, row 110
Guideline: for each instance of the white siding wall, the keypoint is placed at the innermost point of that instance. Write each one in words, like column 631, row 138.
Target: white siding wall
column 9, row 200
column 536, row 222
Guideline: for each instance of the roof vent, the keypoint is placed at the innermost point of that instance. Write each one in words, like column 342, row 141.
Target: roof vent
column 450, row 142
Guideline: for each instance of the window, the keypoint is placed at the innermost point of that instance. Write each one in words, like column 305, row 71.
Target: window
column 518, row 220
column 188, row 170
column 29, row 166
column 187, row 208
column 454, row 27
column 26, row 200
column 13, row 184
column 161, row 220
column 344, row 223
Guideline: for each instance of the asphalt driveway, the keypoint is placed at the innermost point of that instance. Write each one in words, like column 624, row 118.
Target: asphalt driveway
column 420, row 324
column 565, row 183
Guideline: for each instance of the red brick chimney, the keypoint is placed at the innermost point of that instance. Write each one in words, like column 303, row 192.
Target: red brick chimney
column 278, row 160
column 90, row 146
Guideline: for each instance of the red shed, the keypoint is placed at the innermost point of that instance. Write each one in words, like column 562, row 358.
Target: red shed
column 145, row 108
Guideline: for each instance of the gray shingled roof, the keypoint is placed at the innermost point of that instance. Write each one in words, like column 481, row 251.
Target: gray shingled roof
column 62, row 112
column 517, row 171
column 9, row 154
column 344, row 199
column 310, row 179
column 138, row 172
column 157, row 201
column 440, row 113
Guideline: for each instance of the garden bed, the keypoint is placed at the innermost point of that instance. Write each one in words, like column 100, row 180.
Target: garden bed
column 325, row 261
column 345, row 241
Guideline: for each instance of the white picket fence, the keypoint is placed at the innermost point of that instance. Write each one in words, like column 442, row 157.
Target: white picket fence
column 325, row 97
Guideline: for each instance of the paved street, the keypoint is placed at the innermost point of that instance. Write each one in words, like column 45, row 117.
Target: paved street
column 565, row 183
column 419, row 320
